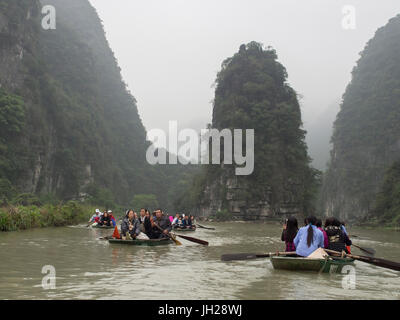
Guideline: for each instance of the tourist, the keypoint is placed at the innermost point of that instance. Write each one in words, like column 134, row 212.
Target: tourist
column 308, row 238
column 175, row 221
column 192, row 221
column 163, row 223
column 105, row 220
column 319, row 226
column 95, row 217
column 338, row 239
column 289, row 232
column 130, row 226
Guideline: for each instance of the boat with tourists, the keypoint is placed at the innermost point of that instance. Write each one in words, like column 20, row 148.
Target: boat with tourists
column 326, row 265
column 142, row 242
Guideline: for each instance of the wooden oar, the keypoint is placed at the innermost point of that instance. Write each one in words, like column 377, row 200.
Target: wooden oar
column 172, row 237
column 368, row 251
column 199, row 241
column 203, row 227
column 375, row 261
column 249, row 256
column 90, row 224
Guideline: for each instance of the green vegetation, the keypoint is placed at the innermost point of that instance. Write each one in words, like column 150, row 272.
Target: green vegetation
column 14, row 218
column 147, row 201
column 252, row 93
column 366, row 131
column 71, row 127
column 387, row 207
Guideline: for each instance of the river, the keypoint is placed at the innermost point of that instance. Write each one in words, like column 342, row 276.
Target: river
column 89, row 268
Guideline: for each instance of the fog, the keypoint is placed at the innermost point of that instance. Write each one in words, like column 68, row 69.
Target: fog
column 171, row 50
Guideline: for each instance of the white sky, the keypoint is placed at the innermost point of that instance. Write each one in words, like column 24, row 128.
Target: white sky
column 171, row 50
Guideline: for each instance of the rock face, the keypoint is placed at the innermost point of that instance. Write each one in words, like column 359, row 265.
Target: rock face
column 82, row 125
column 252, row 93
column 366, row 132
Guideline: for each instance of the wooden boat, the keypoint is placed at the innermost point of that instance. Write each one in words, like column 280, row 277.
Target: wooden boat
column 96, row 226
column 328, row 265
column 184, row 229
column 139, row 242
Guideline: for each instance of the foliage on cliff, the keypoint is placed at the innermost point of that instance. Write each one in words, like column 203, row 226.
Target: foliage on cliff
column 81, row 132
column 366, row 131
column 252, row 93
column 387, row 207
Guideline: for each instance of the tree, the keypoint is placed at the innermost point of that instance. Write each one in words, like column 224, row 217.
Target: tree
column 148, row 201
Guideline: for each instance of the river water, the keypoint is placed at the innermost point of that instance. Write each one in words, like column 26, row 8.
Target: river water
column 89, row 268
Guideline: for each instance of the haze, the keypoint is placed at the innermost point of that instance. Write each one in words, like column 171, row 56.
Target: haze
column 170, row 52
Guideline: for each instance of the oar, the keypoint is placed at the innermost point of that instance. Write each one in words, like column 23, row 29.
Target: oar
column 375, row 261
column 90, row 224
column 249, row 256
column 172, row 237
column 199, row 241
column 208, row 228
column 368, row 251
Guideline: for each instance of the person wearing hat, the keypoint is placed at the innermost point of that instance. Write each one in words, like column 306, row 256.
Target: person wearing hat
column 95, row 217
column 110, row 214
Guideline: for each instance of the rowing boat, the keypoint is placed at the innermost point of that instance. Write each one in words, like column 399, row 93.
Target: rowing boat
column 327, row 265
column 140, row 242
column 184, row 229
column 96, row 226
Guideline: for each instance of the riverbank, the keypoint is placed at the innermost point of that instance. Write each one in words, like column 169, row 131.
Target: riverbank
column 14, row 218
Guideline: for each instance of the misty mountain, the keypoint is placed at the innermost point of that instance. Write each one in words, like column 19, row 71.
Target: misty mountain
column 366, row 131
column 75, row 126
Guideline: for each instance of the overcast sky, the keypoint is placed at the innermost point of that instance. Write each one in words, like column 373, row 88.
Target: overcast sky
column 171, row 50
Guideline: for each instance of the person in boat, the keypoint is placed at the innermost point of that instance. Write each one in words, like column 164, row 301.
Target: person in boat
column 308, row 238
column 175, row 221
column 95, row 217
column 187, row 223
column 289, row 232
column 163, row 222
column 130, row 226
column 319, row 226
column 142, row 216
column 105, row 220
column 338, row 239
column 113, row 220
column 192, row 221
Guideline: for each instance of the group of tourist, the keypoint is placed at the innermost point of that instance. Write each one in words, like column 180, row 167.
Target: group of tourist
column 312, row 236
column 145, row 225
column 105, row 218
column 183, row 222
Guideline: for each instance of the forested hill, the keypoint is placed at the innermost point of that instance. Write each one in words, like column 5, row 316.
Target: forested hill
column 75, row 126
column 366, row 132
column 252, row 93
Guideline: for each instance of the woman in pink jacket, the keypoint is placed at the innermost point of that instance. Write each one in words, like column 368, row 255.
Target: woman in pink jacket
column 319, row 226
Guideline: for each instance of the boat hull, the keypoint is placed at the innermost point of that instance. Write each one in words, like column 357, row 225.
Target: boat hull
column 102, row 227
column 139, row 242
column 184, row 230
column 334, row 265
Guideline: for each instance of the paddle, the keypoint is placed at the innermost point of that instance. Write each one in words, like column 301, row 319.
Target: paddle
column 90, row 224
column 172, row 237
column 249, row 256
column 203, row 227
column 375, row 261
column 199, row 241
column 368, row 251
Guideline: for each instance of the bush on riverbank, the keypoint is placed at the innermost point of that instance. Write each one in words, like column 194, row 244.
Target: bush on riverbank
column 14, row 218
